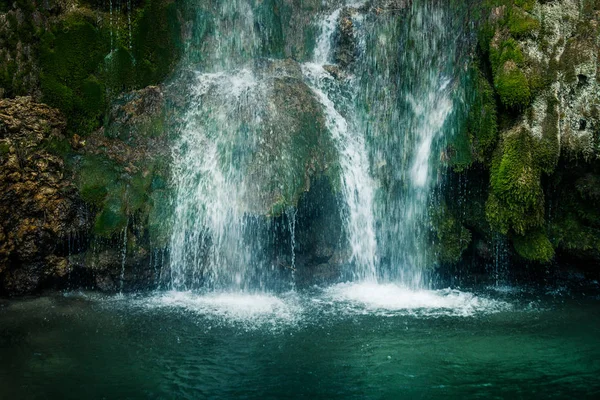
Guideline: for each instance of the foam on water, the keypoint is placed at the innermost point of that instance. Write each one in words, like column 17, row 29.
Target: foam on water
column 391, row 299
column 253, row 311
column 270, row 311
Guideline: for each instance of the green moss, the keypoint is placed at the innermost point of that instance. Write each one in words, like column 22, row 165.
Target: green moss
column 460, row 151
column 69, row 55
column 112, row 218
column 59, row 147
column 547, row 149
column 157, row 41
column 137, row 191
column 514, row 175
column 516, row 200
column 534, row 246
column 521, row 25
column 526, row 5
column 508, row 50
column 451, row 238
column 118, row 71
column 95, row 176
column 482, row 125
column 81, row 73
column 570, row 233
column 512, row 87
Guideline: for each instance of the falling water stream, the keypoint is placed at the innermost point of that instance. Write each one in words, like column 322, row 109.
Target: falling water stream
column 387, row 111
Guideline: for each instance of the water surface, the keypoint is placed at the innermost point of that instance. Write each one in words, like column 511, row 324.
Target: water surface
column 346, row 341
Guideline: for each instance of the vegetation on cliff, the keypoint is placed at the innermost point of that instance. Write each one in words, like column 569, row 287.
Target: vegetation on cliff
column 537, row 62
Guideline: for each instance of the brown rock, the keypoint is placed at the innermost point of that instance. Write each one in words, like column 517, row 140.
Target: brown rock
column 37, row 205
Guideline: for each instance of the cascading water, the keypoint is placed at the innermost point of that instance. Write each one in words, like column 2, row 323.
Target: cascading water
column 208, row 245
column 240, row 159
column 400, row 93
column 357, row 185
column 211, row 192
column 386, row 82
column 407, row 91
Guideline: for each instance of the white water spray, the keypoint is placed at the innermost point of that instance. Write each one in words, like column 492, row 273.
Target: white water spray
column 357, row 185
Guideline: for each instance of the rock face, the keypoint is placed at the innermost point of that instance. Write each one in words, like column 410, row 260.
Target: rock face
column 38, row 203
column 83, row 211
column 534, row 131
column 566, row 51
column 121, row 172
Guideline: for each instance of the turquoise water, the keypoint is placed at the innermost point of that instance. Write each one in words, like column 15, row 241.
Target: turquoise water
column 347, row 341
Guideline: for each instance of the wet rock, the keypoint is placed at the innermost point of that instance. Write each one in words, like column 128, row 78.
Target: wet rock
column 138, row 114
column 346, row 49
column 390, row 6
column 39, row 205
column 565, row 53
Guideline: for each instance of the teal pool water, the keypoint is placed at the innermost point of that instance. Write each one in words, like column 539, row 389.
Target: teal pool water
column 346, row 342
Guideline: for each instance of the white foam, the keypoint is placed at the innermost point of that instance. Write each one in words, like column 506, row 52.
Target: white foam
column 251, row 310
column 391, row 299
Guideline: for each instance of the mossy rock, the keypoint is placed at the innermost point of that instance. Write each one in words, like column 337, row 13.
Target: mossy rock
column 159, row 217
column 460, row 151
column 508, row 50
column 95, row 175
column 547, row 148
column 514, row 173
column 157, row 41
column 534, row 246
column 69, row 56
column 570, row 233
column 521, row 25
column 112, row 218
column 482, row 124
column 512, row 87
column 451, row 238
column 526, row 5
column 86, row 62
column 516, row 199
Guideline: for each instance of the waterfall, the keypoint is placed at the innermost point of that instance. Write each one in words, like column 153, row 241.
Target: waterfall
column 214, row 240
column 357, row 185
column 213, row 194
column 389, row 130
column 387, row 84
column 407, row 91
column 233, row 162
